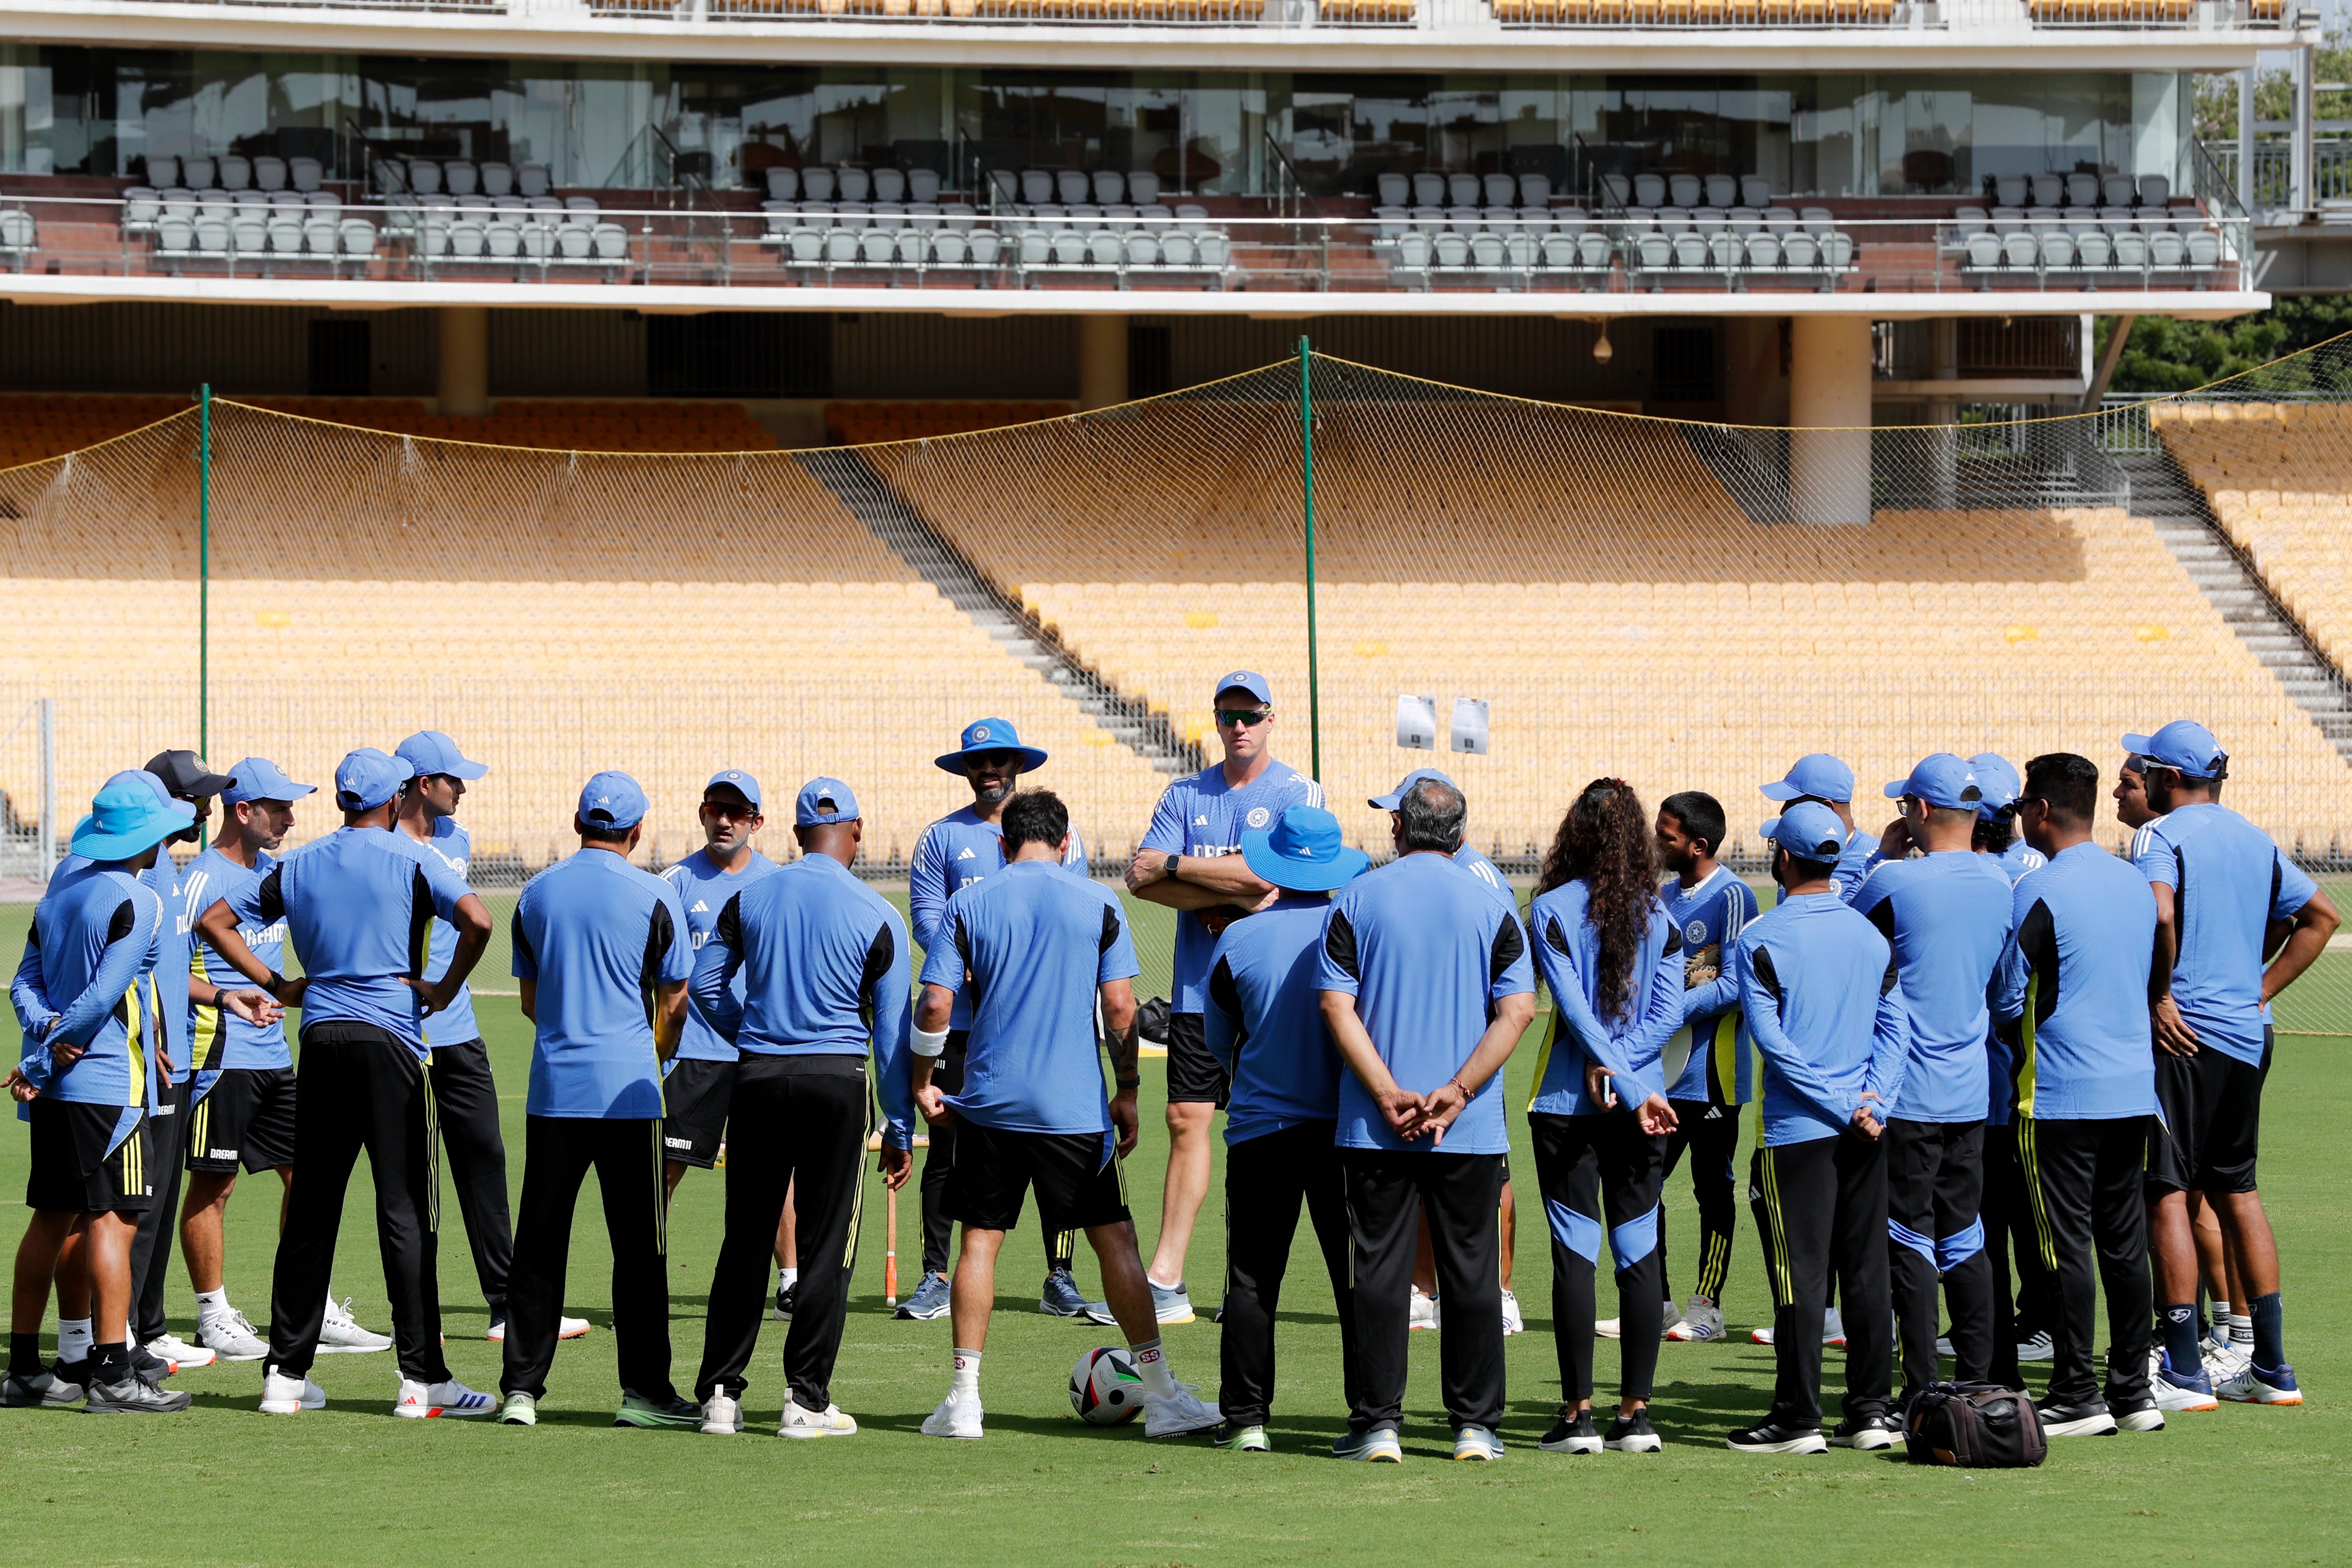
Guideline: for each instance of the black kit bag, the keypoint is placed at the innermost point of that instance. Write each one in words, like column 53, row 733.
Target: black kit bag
column 1978, row 1426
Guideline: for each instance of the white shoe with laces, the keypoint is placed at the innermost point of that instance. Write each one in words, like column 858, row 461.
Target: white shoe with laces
column 284, row 1395
column 182, row 1355
column 1422, row 1313
column 1512, row 1322
column 1179, row 1414
column 829, row 1422
column 721, row 1415
column 448, row 1398
column 228, row 1335
column 341, row 1335
column 959, row 1416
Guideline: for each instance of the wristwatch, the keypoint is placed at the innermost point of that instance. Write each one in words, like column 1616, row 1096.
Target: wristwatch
column 276, row 984
column 1168, row 871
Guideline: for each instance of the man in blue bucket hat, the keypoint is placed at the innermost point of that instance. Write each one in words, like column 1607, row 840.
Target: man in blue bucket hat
column 959, row 848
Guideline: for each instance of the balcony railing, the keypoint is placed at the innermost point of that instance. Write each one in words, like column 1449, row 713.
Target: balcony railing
column 1214, row 245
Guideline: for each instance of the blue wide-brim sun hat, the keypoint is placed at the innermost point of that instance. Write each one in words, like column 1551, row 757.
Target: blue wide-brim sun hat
column 990, row 735
column 1303, row 852
column 126, row 818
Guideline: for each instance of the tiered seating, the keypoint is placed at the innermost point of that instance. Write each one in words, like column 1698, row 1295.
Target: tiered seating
column 33, row 427
column 2092, row 224
column 557, row 426
column 1697, row 13
column 855, row 424
column 2279, row 476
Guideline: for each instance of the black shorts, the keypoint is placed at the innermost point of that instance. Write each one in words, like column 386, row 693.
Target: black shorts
column 1194, row 1076
column 74, row 1170
column 695, row 1097
column 246, row 1118
column 1078, row 1175
column 2209, row 1121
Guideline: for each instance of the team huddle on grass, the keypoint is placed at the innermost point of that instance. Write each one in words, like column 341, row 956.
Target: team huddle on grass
column 1999, row 1069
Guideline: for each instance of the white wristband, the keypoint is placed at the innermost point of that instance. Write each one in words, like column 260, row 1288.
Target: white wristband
column 923, row 1042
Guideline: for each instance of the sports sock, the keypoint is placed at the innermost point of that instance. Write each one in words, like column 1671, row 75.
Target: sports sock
column 109, row 1363
column 2242, row 1330
column 2270, row 1332
column 2221, row 1313
column 2177, row 1324
column 211, row 1303
column 1157, row 1381
column 24, row 1354
column 787, row 1277
column 73, row 1339
column 967, row 1374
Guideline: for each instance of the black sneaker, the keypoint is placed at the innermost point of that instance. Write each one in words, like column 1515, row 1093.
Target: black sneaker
column 152, row 1367
column 2142, row 1416
column 135, row 1395
column 40, row 1386
column 1869, row 1432
column 1572, row 1434
column 1633, row 1435
column 787, row 1298
column 1769, row 1437
column 2090, row 1419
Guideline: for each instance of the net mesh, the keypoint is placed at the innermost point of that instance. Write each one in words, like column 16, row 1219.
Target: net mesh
column 1683, row 605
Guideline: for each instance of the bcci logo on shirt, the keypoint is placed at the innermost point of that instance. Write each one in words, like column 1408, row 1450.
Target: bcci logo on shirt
column 1695, row 931
column 1259, row 816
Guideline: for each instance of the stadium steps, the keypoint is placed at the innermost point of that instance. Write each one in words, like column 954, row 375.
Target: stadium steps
column 1015, row 629
column 2167, row 497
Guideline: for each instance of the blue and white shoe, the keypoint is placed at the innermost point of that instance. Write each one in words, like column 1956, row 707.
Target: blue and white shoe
column 2262, row 1385
column 1060, row 1296
column 1170, row 1304
column 1379, row 1446
column 930, row 1299
column 2182, row 1391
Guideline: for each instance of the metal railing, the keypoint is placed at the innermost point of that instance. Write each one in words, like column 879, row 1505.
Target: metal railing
column 2331, row 171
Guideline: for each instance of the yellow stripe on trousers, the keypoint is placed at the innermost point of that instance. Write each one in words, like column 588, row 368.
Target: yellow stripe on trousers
column 1784, row 1286
column 431, row 1149
column 2028, row 1149
column 661, row 1194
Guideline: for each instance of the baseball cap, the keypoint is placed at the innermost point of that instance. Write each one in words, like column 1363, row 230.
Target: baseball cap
column 735, row 778
column 1809, row 831
column 1249, row 681
column 429, row 751
column 2184, row 746
column 1389, row 802
column 990, row 735
column 612, row 800
column 1942, row 780
column 184, row 774
column 2000, row 782
column 823, row 800
column 1303, row 852
column 258, row 778
column 1818, row 775
column 126, row 816
column 368, row 777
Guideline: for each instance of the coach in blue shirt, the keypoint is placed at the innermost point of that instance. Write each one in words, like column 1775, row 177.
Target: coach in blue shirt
column 600, row 949
column 355, row 904
column 2222, row 888
column 824, row 965
column 1427, row 987
column 1265, row 1026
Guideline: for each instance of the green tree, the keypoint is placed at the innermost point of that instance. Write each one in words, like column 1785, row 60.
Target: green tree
column 2164, row 354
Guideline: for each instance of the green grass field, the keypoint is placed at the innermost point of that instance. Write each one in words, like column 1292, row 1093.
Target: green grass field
column 352, row 1485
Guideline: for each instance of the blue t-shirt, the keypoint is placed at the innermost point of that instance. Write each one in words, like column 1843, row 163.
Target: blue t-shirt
column 172, row 966
column 1713, row 1050
column 355, row 904
column 455, row 1024
column 821, row 961
column 1947, row 915
column 1202, row 815
column 2020, row 858
column 1030, row 945
column 2230, row 881
column 1489, row 872
column 1567, row 951
column 1426, row 952
column 1820, row 992
column 223, row 1039
column 955, row 852
column 90, row 964
column 2073, row 988
column 600, row 937
column 703, row 888
column 1264, row 1020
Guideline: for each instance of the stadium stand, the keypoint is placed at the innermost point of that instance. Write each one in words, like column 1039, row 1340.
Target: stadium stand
column 2279, row 480
column 857, row 424
column 33, row 428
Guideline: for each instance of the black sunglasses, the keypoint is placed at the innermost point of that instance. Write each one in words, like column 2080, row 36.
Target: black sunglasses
column 1240, row 718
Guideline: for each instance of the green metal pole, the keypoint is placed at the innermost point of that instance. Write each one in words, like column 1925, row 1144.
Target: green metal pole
column 1306, row 476
column 203, row 569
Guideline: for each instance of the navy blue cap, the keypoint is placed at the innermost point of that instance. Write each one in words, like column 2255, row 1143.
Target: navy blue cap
column 1822, row 776
column 990, row 735
column 1395, row 798
column 1942, row 780
column 429, row 752
column 2186, row 747
column 127, row 816
column 612, row 800
column 1249, row 681
column 258, row 778
column 368, row 777
column 735, row 778
column 1809, row 830
column 2000, row 782
column 1303, row 852
column 823, row 801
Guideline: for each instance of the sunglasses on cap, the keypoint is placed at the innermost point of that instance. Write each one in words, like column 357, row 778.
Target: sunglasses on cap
column 1241, row 718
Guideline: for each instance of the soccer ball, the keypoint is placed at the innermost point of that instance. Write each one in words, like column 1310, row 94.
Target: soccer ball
column 1105, row 1387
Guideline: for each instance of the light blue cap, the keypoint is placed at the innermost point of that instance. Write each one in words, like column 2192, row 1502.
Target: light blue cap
column 128, row 815
column 2184, row 746
column 1303, row 852
column 258, row 778
column 1395, row 798
column 735, row 778
column 1249, row 681
column 612, row 800
column 368, row 777
column 1809, row 831
column 823, row 801
column 1998, row 781
column 1822, row 776
column 429, row 752
column 1942, row 780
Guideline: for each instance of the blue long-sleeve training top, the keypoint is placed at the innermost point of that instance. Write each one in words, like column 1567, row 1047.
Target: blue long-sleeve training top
column 1947, row 917
column 826, row 964
column 1824, row 1006
column 1567, row 951
column 2073, row 988
column 1264, row 1021
column 87, row 978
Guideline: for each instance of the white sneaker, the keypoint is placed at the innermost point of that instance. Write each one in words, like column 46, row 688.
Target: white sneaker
column 1423, row 1313
column 829, row 1422
column 565, row 1328
column 1178, row 1414
column 283, row 1396
column 1832, row 1328
column 957, row 1417
column 182, row 1355
column 1608, row 1328
column 450, row 1398
column 1512, row 1322
column 721, row 1416
column 341, row 1335
column 228, row 1335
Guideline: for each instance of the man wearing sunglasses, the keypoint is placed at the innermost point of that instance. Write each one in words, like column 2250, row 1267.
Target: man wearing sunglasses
column 1191, row 862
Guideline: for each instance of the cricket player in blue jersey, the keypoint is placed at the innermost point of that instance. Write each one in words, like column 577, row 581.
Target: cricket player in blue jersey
column 955, row 852
column 1828, row 782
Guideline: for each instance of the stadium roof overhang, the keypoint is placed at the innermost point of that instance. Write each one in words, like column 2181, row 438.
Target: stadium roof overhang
column 575, row 34
column 35, row 288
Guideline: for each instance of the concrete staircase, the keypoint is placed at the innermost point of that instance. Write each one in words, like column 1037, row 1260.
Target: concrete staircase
column 2161, row 493
column 907, row 534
